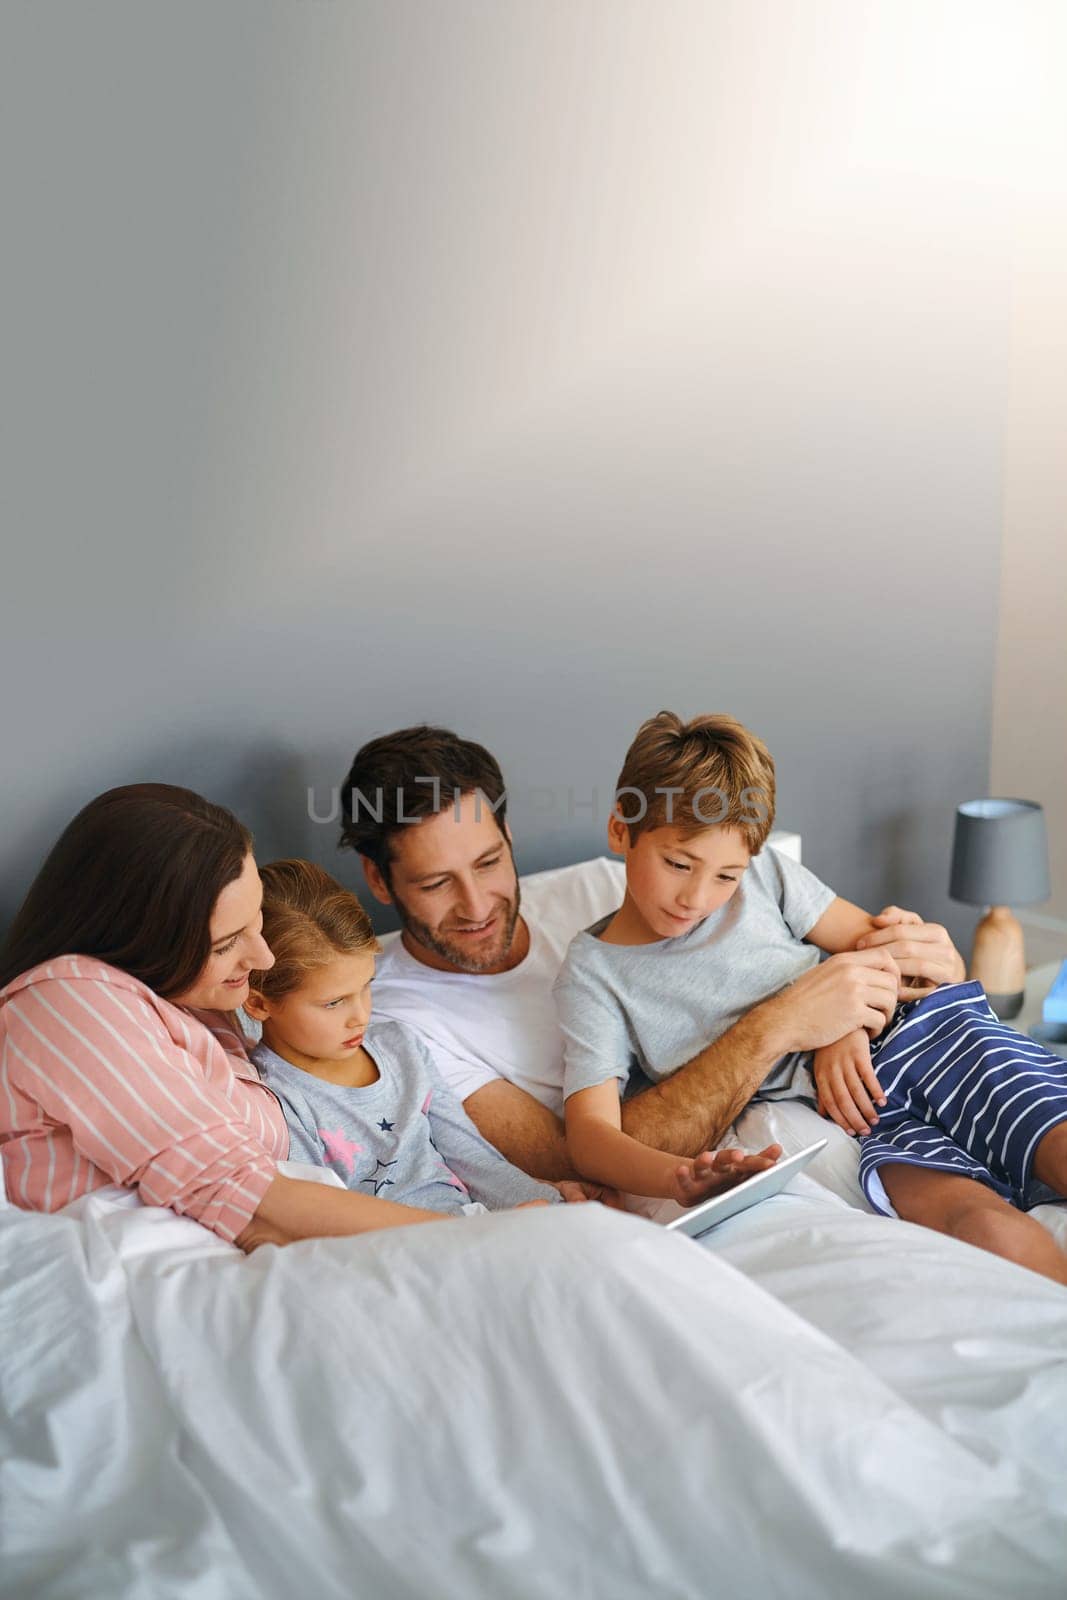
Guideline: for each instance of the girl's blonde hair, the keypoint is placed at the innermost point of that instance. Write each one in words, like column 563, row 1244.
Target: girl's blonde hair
column 308, row 919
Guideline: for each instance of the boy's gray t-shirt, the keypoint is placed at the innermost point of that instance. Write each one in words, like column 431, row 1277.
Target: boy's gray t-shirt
column 405, row 1137
column 654, row 1007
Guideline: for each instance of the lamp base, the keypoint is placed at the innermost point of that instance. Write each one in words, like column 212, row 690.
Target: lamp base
column 998, row 961
column 1006, row 1006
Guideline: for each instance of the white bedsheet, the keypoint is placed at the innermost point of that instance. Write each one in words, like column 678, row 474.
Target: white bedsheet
column 794, row 1125
column 548, row 1403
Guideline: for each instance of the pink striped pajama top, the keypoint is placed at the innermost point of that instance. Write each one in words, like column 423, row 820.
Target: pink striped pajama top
column 101, row 1081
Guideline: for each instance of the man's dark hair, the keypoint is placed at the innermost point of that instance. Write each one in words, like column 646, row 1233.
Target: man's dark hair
column 404, row 776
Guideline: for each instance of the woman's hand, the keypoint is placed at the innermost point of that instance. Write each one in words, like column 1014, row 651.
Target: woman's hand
column 846, row 1084
column 715, row 1171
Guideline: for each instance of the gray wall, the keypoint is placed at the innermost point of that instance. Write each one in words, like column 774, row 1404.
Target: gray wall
column 525, row 367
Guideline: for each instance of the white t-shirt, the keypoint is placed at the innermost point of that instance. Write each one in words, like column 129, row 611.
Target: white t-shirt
column 482, row 1026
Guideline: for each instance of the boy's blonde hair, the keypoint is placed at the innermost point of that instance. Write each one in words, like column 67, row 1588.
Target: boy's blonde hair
column 710, row 771
column 308, row 919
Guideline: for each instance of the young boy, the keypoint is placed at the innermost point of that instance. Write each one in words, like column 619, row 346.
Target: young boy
column 970, row 1128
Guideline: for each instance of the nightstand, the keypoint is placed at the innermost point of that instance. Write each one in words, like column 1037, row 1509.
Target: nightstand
column 1038, row 984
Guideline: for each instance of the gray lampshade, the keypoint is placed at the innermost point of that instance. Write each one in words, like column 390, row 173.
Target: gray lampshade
column 1000, row 854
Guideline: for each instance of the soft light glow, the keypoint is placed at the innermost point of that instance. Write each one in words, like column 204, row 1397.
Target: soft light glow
column 967, row 91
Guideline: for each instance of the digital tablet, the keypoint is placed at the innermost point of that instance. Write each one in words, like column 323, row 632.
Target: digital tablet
column 698, row 1219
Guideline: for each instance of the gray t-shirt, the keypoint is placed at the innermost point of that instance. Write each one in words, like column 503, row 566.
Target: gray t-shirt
column 405, row 1138
column 653, row 1007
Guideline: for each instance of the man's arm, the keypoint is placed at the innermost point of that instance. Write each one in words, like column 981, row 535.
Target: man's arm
column 692, row 1109
column 523, row 1130
column 608, row 1155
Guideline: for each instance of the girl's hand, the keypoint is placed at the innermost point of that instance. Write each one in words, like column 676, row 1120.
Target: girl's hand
column 525, row 1205
column 846, row 1084
column 715, row 1171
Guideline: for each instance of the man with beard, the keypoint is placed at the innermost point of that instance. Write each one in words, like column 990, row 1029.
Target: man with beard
column 426, row 812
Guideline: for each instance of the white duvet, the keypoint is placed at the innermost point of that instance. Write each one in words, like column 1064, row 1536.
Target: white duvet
column 557, row 1404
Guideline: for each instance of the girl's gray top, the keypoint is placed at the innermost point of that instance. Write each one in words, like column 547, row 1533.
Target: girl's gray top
column 653, row 1007
column 405, row 1137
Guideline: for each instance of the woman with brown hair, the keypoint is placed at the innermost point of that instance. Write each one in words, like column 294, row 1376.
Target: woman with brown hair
column 119, row 1062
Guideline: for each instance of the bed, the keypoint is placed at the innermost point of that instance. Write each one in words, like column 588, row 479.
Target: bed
column 815, row 1402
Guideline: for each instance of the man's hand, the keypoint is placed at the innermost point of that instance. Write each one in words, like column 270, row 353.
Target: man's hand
column 715, row 1171
column 847, row 1087
column 922, row 950
column 855, row 990
column 575, row 1191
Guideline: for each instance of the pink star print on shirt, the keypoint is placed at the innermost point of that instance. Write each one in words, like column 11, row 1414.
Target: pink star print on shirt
column 338, row 1148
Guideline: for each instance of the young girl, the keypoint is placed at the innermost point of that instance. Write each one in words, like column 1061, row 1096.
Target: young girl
column 360, row 1097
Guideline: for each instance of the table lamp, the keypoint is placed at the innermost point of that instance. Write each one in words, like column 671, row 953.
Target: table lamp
column 1000, row 859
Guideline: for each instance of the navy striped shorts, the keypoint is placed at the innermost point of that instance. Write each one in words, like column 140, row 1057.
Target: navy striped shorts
column 965, row 1094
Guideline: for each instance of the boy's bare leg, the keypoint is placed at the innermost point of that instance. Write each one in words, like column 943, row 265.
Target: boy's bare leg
column 1050, row 1159
column 967, row 1210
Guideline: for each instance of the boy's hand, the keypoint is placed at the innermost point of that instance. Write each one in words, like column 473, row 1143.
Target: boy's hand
column 925, row 954
column 715, row 1171
column 846, row 1084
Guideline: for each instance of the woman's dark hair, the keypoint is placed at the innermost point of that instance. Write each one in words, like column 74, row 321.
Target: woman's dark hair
column 133, row 880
